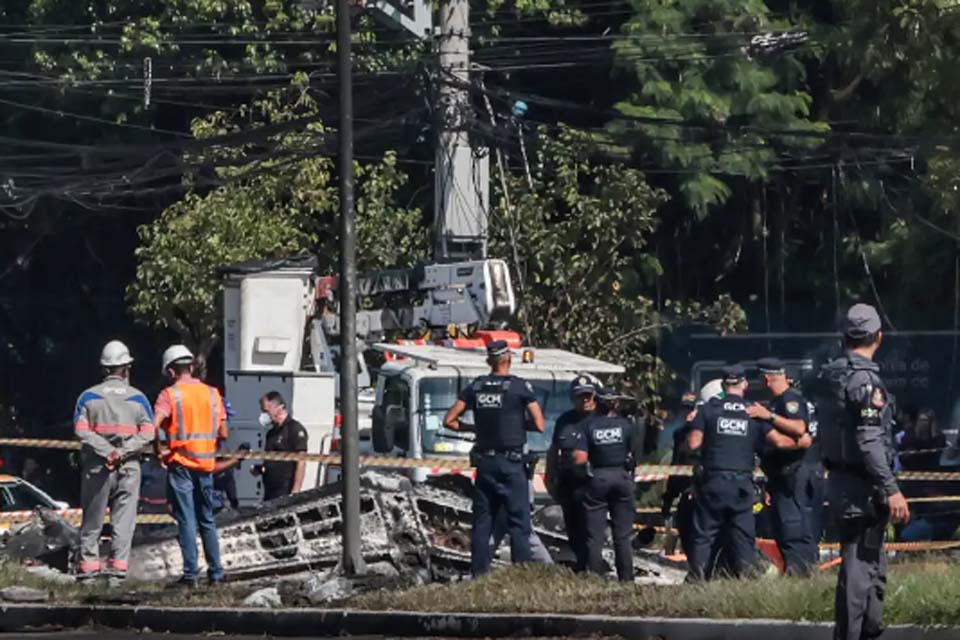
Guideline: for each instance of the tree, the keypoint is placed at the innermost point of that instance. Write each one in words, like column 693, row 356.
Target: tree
column 266, row 208
column 686, row 63
column 576, row 234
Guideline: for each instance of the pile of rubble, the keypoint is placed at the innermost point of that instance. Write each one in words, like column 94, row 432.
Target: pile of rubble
column 418, row 530
column 411, row 534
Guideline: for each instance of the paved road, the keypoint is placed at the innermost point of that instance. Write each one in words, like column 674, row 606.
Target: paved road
column 129, row 635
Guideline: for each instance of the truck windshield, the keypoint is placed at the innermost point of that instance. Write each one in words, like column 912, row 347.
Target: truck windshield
column 437, row 395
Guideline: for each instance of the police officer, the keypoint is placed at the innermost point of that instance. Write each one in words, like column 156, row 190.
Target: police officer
column 679, row 488
column 564, row 482
column 786, row 481
column 728, row 439
column 606, row 445
column 862, row 492
column 500, row 403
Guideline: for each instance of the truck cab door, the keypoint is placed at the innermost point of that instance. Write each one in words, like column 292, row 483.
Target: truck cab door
column 391, row 416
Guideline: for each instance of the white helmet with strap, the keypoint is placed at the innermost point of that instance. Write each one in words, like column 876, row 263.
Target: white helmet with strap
column 176, row 353
column 115, row 354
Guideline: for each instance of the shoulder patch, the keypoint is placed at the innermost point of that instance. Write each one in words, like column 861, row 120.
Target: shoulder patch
column 792, row 407
column 528, row 386
column 878, row 398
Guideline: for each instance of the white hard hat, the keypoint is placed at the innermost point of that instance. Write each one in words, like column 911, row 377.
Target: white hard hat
column 115, row 354
column 176, row 353
column 712, row 389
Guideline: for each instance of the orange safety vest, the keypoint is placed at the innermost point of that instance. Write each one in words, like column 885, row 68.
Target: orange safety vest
column 193, row 426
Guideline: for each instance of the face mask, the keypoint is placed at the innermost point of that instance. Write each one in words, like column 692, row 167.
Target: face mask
column 265, row 420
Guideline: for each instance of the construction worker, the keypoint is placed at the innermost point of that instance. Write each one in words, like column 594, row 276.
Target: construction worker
column 606, row 448
column 192, row 417
column 500, row 403
column 563, row 481
column 787, row 483
column 114, row 422
column 856, row 419
column 723, row 483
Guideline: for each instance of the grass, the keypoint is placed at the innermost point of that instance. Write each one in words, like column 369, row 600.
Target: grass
column 921, row 592
column 144, row 593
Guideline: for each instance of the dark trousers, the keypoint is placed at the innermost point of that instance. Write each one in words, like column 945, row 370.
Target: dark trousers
column 813, row 494
column 723, row 517
column 570, row 496
column 683, row 520
column 501, row 484
column 792, row 529
column 610, row 490
column 190, row 493
column 862, row 580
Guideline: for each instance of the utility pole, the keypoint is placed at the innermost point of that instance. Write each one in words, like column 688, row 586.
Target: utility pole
column 462, row 178
column 350, row 440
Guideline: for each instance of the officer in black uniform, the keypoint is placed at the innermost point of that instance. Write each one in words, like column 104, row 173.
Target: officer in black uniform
column 786, row 481
column 728, row 439
column 606, row 447
column 564, row 482
column 857, row 444
column 679, row 488
column 500, row 403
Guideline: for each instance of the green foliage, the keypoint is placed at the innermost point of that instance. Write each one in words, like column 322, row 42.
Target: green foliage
column 265, row 208
column 578, row 239
column 684, row 62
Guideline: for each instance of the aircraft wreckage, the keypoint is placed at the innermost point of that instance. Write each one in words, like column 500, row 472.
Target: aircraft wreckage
column 413, row 527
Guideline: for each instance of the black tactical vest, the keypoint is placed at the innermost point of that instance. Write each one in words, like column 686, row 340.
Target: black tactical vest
column 840, row 415
column 610, row 441
column 499, row 413
column 730, row 436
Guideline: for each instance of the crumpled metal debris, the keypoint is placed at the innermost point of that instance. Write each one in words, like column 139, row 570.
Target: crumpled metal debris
column 422, row 531
column 47, row 537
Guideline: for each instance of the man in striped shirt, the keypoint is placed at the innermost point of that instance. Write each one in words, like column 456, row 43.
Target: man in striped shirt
column 113, row 421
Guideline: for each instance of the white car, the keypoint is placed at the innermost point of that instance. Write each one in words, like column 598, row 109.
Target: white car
column 19, row 497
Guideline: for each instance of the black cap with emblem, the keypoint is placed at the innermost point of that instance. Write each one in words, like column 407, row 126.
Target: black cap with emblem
column 734, row 374
column 862, row 320
column 498, row 348
column 773, row 366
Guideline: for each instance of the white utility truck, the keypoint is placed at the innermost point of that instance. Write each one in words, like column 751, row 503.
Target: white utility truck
column 281, row 333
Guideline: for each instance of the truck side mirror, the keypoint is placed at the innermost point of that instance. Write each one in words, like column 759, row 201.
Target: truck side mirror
column 389, row 425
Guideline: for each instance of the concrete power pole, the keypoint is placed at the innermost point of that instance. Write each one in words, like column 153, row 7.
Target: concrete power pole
column 462, row 177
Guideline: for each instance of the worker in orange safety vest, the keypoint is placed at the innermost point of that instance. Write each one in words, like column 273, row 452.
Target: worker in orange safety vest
column 191, row 416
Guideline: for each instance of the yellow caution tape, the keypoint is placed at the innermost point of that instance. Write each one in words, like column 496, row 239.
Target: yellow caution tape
column 644, row 473
column 75, row 516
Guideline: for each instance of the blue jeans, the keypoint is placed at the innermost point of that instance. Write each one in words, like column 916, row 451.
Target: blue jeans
column 191, row 495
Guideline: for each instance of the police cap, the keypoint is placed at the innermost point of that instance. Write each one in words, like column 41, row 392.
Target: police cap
column 583, row 384
column 734, row 374
column 607, row 394
column 773, row 366
column 862, row 320
column 498, row 348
